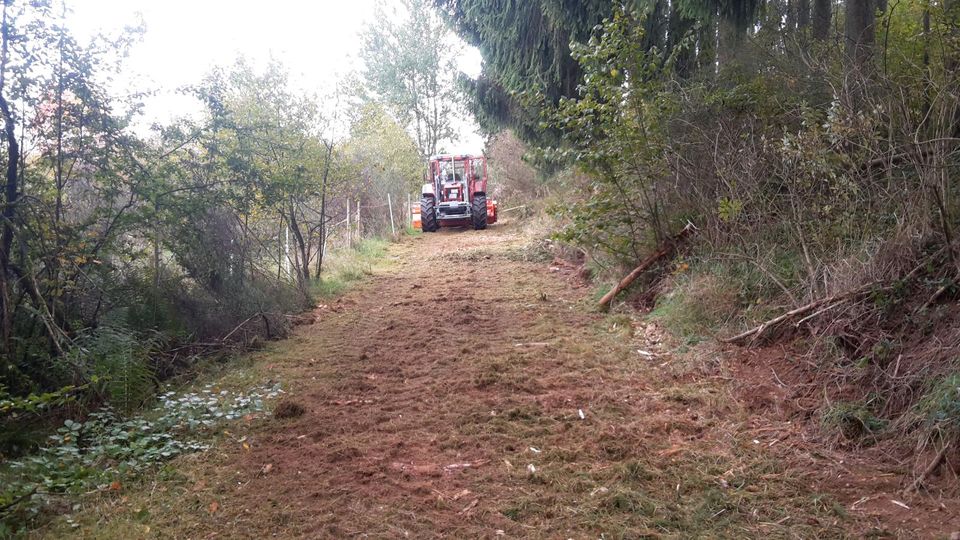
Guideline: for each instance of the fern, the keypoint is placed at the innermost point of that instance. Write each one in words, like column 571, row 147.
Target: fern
column 119, row 365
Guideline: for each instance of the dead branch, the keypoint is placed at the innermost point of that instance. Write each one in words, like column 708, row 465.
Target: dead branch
column 937, row 294
column 668, row 247
column 830, row 302
column 837, row 299
column 931, row 467
column 239, row 326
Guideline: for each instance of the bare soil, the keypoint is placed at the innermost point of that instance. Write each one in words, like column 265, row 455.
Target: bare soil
column 466, row 392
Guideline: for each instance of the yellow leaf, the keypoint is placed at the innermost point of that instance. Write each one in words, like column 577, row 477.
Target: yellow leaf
column 246, row 446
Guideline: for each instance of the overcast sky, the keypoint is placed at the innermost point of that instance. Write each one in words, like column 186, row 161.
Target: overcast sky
column 318, row 41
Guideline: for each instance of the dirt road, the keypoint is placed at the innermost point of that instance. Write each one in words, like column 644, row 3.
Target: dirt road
column 463, row 392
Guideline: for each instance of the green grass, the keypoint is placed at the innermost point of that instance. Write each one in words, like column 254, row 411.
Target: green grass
column 940, row 406
column 853, row 421
column 348, row 266
column 697, row 307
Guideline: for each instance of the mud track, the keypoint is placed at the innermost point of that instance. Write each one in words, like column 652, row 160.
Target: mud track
column 462, row 392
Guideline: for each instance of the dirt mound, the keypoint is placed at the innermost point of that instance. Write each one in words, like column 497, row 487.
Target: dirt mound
column 796, row 408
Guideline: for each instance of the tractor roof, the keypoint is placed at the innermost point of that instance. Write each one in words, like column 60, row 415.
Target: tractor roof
column 453, row 157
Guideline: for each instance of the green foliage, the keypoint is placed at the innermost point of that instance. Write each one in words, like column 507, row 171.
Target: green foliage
column 615, row 133
column 119, row 365
column 35, row 403
column 853, row 421
column 386, row 161
column 940, row 407
column 410, row 65
column 105, row 450
column 526, row 48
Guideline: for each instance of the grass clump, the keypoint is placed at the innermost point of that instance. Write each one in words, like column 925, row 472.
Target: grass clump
column 346, row 267
column 940, row 406
column 853, row 421
column 697, row 306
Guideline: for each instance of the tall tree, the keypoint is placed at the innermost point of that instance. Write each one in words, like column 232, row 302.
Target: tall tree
column 526, row 50
column 410, row 65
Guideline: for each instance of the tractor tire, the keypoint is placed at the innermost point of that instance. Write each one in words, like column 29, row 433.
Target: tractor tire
column 428, row 214
column 478, row 212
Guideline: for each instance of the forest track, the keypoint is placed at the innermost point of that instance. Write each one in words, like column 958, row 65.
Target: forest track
column 481, row 396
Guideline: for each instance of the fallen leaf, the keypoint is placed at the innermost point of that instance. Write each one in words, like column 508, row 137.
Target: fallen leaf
column 266, row 468
column 214, row 506
column 246, row 446
column 115, row 485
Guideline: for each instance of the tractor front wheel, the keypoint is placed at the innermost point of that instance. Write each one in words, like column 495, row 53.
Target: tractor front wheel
column 428, row 214
column 479, row 212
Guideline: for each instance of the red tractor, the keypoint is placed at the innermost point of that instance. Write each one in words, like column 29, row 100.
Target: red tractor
column 455, row 194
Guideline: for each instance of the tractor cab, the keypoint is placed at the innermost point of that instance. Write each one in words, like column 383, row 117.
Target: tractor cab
column 456, row 196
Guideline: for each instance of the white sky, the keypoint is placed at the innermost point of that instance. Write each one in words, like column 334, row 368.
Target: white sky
column 318, row 42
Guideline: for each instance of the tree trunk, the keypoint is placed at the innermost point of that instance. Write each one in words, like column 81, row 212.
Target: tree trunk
column 707, row 47
column 730, row 38
column 679, row 27
column 321, row 250
column 11, row 187
column 803, row 14
column 821, row 19
column 860, row 33
column 302, row 262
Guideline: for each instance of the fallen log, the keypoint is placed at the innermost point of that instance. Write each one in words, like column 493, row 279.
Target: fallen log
column 837, row 299
column 668, row 247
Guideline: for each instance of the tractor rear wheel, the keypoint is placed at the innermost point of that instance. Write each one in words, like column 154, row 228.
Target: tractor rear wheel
column 428, row 214
column 479, row 212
